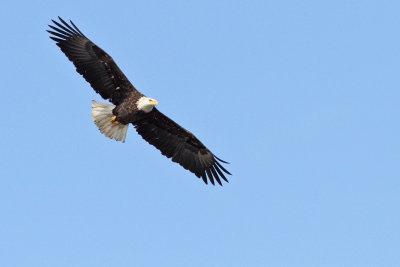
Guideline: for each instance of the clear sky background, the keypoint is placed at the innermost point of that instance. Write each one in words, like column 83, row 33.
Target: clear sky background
column 301, row 97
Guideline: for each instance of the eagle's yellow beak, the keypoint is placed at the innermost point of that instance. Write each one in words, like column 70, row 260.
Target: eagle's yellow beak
column 154, row 102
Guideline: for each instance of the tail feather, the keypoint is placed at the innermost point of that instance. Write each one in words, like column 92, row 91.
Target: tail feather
column 101, row 114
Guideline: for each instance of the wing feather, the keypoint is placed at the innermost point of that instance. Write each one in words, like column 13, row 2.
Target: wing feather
column 220, row 173
column 215, row 175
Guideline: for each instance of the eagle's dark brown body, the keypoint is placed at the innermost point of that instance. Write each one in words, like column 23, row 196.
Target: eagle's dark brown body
column 105, row 77
column 127, row 111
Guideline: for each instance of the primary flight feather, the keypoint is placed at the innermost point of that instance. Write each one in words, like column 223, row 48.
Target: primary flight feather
column 131, row 106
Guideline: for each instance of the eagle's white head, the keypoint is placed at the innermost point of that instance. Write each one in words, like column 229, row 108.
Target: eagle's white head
column 146, row 104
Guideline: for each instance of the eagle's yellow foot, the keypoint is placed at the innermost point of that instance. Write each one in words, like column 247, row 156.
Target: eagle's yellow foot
column 114, row 120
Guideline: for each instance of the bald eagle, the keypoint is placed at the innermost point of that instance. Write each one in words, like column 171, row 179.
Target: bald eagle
column 132, row 107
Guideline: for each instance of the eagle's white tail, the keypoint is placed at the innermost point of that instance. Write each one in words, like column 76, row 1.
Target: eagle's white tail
column 102, row 114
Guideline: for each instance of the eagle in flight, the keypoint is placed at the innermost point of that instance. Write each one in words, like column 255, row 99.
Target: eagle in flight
column 129, row 106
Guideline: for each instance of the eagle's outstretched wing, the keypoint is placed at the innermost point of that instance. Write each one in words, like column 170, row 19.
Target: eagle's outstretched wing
column 95, row 65
column 181, row 145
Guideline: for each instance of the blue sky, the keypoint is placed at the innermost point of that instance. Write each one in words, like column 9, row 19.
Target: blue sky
column 302, row 97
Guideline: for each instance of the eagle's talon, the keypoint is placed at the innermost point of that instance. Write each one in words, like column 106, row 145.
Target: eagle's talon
column 114, row 121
